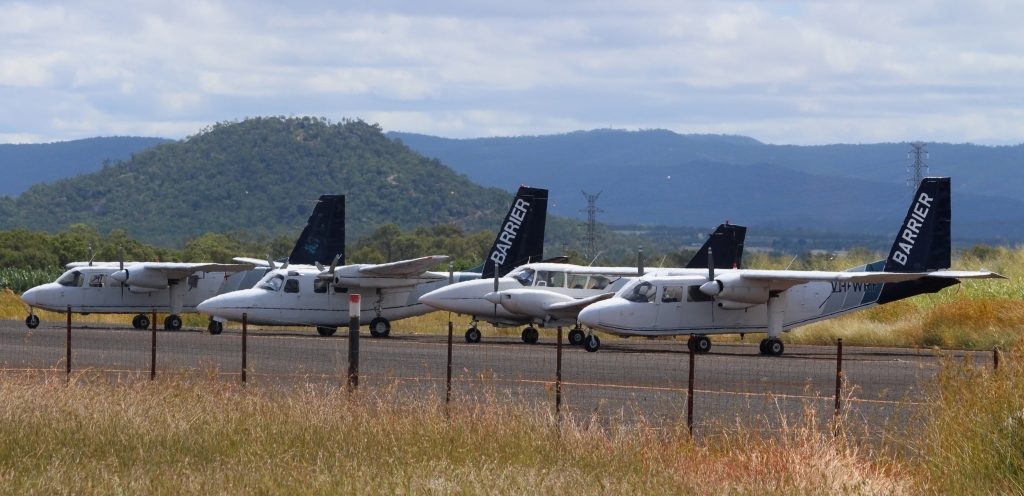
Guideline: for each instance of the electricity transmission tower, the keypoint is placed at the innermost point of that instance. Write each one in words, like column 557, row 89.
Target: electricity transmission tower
column 917, row 168
column 592, row 210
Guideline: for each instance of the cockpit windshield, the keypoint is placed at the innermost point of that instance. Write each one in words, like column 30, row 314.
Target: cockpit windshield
column 524, row 276
column 272, row 282
column 71, row 279
column 639, row 292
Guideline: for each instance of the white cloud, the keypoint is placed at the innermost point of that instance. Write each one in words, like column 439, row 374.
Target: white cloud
column 788, row 72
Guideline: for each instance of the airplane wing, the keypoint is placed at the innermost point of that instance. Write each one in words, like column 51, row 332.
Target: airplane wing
column 185, row 269
column 403, row 268
column 255, row 262
column 784, row 279
column 575, row 306
column 603, row 271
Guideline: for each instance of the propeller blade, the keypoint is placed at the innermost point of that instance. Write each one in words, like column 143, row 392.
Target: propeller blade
column 334, row 263
column 497, row 270
column 711, row 265
column 451, row 273
column 271, row 262
column 319, row 266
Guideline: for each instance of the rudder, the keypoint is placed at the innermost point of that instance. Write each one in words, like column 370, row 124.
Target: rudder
column 323, row 238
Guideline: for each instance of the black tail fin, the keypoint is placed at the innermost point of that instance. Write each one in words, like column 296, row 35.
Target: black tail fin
column 726, row 245
column 521, row 237
column 923, row 242
column 324, row 235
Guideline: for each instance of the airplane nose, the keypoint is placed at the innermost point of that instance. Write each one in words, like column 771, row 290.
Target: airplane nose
column 31, row 297
column 590, row 316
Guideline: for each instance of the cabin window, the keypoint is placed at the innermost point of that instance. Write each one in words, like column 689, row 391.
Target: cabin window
column 272, row 284
column 550, row 279
column 320, row 285
column 578, row 282
column 525, row 277
column 291, row 286
column 693, row 293
column 598, row 282
column 96, row 281
column 672, row 294
column 71, row 279
column 642, row 293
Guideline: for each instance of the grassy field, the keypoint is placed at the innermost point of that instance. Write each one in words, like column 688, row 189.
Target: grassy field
column 194, row 436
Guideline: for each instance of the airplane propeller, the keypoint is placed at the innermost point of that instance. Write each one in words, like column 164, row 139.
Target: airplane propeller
column 712, row 287
column 271, row 262
column 496, row 271
column 328, row 275
column 120, row 266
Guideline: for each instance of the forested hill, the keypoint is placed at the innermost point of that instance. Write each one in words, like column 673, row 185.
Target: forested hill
column 25, row 165
column 262, row 175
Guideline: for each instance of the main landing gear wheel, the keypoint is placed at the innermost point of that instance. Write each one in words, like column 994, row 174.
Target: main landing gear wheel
column 140, row 322
column 576, row 337
column 771, row 347
column 172, row 323
column 530, row 335
column 326, row 331
column 699, row 344
column 380, row 327
column 473, row 335
column 32, row 321
column 591, row 343
column 215, row 327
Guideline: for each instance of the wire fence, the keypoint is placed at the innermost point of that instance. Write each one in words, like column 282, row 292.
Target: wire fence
column 647, row 381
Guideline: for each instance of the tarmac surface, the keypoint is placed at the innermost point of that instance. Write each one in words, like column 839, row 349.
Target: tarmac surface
column 626, row 381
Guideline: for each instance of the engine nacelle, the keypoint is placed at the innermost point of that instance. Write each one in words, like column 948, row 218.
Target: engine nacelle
column 732, row 289
column 530, row 302
column 141, row 279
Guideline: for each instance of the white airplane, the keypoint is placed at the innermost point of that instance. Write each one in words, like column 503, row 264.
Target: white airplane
column 175, row 288
column 315, row 296
column 552, row 294
column 773, row 301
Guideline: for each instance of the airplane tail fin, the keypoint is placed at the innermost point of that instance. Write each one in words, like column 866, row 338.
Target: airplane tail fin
column 923, row 241
column 726, row 245
column 324, row 235
column 520, row 239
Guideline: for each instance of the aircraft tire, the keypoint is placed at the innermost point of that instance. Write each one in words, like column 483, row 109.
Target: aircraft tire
column 774, row 347
column 172, row 323
column 530, row 335
column 592, row 343
column 215, row 327
column 576, row 337
column 701, row 344
column 140, row 322
column 326, row 331
column 763, row 347
column 473, row 335
column 380, row 327
column 32, row 321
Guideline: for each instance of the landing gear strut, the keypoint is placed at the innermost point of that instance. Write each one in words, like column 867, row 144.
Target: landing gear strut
column 530, row 335
column 380, row 327
column 140, row 321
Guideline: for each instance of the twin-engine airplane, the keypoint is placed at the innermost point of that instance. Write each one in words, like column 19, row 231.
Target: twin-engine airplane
column 552, row 294
column 173, row 287
column 318, row 296
column 744, row 301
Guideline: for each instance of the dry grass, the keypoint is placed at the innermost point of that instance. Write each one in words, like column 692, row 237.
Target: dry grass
column 193, row 436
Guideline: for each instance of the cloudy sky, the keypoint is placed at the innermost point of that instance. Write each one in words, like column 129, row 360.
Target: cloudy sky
column 781, row 72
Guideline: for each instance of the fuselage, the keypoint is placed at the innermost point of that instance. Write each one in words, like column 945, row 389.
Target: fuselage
column 90, row 289
column 300, row 297
column 576, row 281
column 673, row 306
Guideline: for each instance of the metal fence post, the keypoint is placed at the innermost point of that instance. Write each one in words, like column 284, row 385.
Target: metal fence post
column 67, row 342
column 689, row 392
column 245, row 326
column 448, row 380
column 558, row 377
column 839, row 381
column 995, row 358
column 152, row 355
column 354, row 302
